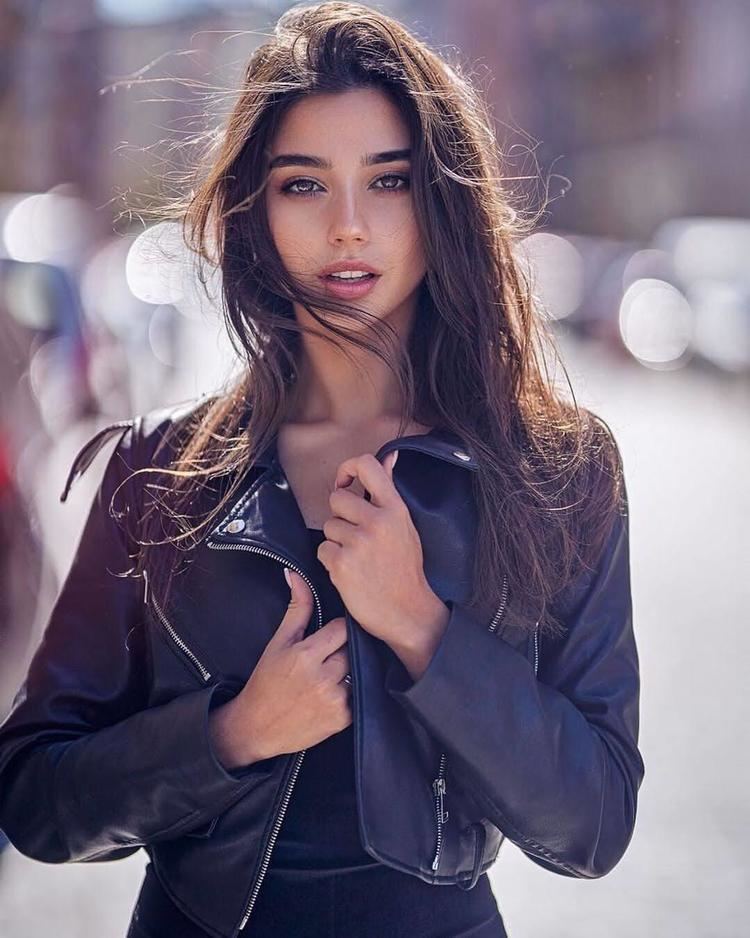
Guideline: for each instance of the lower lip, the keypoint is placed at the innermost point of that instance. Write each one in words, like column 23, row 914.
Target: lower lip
column 348, row 289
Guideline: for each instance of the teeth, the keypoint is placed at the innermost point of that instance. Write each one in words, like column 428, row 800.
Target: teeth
column 349, row 274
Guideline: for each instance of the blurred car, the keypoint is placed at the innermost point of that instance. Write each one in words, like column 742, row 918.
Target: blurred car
column 681, row 297
column 710, row 265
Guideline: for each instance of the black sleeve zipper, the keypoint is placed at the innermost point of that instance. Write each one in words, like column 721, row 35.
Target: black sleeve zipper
column 438, row 785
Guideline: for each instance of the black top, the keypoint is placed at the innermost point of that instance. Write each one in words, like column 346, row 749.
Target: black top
column 320, row 828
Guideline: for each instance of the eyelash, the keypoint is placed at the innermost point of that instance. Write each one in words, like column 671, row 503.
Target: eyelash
column 287, row 187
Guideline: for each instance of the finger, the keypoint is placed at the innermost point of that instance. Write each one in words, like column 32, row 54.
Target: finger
column 327, row 554
column 338, row 531
column 373, row 476
column 327, row 639
column 337, row 665
column 349, row 506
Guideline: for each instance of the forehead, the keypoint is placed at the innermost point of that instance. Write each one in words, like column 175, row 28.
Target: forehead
column 361, row 119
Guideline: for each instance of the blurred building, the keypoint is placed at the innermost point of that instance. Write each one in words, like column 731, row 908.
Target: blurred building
column 633, row 107
column 638, row 108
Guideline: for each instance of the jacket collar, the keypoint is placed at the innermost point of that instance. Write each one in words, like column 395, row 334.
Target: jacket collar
column 439, row 443
column 266, row 518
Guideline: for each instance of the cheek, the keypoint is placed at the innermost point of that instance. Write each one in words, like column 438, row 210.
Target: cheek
column 406, row 239
column 399, row 227
column 292, row 237
column 278, row 219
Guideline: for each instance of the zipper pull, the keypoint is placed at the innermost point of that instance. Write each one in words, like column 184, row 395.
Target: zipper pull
column 145, row 587
column 438, row 787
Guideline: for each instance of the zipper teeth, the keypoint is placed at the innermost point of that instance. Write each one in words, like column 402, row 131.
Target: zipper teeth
column 283, row 560
column 501, row 608
column 272, row 840
column 301, row 754
column 438, row 788
column 204, row 672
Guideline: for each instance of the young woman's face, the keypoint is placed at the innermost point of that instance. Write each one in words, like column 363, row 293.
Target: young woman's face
column 334, row 204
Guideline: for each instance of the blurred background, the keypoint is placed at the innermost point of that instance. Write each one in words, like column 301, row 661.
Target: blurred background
column 631, row 120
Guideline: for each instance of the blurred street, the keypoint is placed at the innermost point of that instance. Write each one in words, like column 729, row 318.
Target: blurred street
column 685, row 443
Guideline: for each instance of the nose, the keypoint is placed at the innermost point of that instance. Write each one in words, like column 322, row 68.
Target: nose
column 348, row 222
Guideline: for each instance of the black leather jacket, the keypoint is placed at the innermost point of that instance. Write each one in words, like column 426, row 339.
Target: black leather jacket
column 504, row 735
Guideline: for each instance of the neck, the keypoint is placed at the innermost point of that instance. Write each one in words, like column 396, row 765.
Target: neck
column 350, row 388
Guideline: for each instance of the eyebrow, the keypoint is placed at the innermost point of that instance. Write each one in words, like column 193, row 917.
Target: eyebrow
column 369, row 159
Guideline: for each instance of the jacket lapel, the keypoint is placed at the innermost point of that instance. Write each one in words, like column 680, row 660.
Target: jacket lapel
column 267, row 515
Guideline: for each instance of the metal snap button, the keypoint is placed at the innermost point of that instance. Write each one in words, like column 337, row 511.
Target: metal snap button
column 234, row 527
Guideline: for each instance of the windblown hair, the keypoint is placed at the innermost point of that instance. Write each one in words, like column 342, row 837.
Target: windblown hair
column 550, row 475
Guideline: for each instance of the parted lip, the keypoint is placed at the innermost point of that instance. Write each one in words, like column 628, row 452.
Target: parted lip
column 351, row 264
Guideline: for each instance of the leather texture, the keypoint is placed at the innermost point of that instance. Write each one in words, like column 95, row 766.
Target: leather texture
column 506, row 734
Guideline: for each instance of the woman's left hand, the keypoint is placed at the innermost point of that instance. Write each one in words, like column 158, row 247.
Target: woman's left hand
column 373, row 555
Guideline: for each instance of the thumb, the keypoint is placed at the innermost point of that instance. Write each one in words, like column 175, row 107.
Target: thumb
column 299, row 610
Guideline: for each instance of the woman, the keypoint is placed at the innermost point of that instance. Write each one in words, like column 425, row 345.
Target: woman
column 453, row 659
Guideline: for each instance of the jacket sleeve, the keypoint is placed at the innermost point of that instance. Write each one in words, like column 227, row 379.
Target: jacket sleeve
column 87, row 770
column 554, row 756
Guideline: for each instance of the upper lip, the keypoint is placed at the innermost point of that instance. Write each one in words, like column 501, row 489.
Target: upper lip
column 352, row 264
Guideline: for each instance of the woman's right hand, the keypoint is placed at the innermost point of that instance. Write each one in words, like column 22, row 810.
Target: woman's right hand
column 295, row 697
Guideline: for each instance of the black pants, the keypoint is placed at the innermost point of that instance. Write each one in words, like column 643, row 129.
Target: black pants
column 368, row 903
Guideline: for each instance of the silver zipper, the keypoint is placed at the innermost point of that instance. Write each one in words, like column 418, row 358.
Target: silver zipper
column 501, row 608
column 499, row 615
column 204, row 672
column 300, row 755
column 272, row 840
column 438, row 788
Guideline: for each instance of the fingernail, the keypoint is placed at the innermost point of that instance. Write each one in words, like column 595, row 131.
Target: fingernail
column 288, row 577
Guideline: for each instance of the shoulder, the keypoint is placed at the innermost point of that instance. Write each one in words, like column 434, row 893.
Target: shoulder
column 141, row 439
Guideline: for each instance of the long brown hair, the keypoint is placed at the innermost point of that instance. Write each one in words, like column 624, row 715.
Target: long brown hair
column 550, row 476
